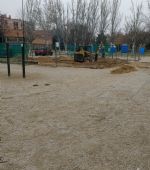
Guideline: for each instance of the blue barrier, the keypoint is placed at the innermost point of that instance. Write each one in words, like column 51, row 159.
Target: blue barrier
column 113, row 49
column 142, row 51
column 124, row 48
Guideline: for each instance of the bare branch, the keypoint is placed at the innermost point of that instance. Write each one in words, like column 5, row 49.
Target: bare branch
column 134, row 23
column 115, row 18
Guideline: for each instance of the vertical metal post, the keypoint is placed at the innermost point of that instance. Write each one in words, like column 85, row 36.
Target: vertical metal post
column 8, row 59
column 55, row 55
column 23, row 45
column 23, row 61
column 127, row 58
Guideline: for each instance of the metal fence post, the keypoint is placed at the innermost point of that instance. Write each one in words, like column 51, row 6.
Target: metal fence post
column 23, row 60
column 8, row 59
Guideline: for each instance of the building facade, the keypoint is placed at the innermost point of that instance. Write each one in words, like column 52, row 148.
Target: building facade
column 11, row 29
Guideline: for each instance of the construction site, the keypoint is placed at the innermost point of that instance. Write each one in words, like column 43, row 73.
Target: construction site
column 75, row 85
column 79, row 109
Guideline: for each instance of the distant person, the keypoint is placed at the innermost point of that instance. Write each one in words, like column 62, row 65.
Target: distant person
column 102, row 50
column 96, row 54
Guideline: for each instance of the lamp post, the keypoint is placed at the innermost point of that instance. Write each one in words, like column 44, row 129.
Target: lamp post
column 23, row 44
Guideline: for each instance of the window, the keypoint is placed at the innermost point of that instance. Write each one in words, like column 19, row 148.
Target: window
column 16, row 25
column 6, row 23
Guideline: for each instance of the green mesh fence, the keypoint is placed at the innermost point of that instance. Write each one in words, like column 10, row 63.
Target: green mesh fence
column 92, row 48
column 2, row 50
column 15, row 50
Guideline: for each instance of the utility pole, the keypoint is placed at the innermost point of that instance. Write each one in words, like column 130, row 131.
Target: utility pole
column 23, row 45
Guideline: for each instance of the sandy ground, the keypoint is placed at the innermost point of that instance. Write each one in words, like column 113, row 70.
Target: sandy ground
column 74, row 119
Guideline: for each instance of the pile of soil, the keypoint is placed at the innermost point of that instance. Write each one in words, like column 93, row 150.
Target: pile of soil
column 101, row 63
column 42, row 59
column 65, row 58
column 68, row 61
column 124, row 69
column 109, row 62
column 143, row 65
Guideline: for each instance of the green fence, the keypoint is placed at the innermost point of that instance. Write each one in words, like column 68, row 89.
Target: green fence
column 72, row 48
column 92, row 48
column 2, row 50
column 15, row 49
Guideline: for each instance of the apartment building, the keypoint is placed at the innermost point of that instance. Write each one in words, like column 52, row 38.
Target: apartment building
column 10, row 29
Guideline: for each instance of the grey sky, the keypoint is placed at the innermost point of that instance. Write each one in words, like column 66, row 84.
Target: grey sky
column 12, row 6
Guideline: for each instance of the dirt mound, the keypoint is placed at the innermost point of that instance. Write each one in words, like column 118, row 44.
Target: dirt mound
column 47, row 60
column 101, row 63
column 124, row 69
column 145, row 65
column 64, row 58
column 68, row 61
column 109, row 62
column 43, row 59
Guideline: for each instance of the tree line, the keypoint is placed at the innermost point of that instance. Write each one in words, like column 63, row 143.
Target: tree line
column 86, row 22
column 76, row 22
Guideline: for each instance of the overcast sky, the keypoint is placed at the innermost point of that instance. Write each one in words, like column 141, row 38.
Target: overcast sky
column 11, row 7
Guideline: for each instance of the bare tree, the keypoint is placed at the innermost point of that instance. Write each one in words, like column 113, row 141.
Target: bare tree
column 147, row 17
column 53, row 18
column 59, row 18
column 84, row 21
column 78, row 28
column 134, row 24
column 104, row 16
column 115, row 18
column 92, row 18
column 47, row 15
column 147, row 25
column 76, row 23
column 31, row 17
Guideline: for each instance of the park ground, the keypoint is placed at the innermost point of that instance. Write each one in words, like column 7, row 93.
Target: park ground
column 65, row 118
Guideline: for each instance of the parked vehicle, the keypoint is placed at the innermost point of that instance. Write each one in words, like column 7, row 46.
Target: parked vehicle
column 43, row 52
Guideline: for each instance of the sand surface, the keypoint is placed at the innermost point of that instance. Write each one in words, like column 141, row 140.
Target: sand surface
column 74, row 119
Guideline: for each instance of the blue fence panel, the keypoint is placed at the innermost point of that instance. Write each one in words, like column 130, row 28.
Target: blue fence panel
column 124, row 48
column 113, row 49
column 142, row 51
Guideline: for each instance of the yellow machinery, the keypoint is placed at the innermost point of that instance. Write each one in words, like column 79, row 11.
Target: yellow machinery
column 83, row 55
